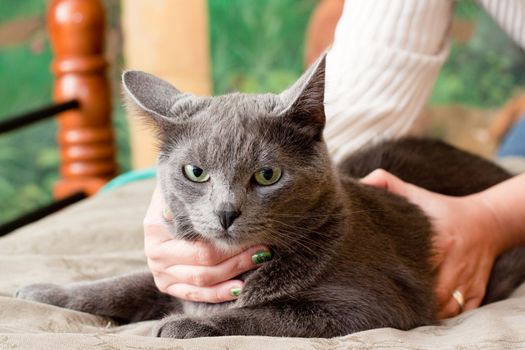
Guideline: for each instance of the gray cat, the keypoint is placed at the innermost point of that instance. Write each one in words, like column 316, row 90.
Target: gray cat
column 241, row 169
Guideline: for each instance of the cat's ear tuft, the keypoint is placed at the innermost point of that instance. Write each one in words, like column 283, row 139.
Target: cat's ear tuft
column 156, row 99
column 304, row 100
column 151, row 94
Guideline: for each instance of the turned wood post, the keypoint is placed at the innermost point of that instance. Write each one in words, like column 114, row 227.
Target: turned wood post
column 85, row 135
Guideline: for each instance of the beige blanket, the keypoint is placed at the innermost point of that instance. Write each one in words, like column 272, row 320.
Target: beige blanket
column 102, row 237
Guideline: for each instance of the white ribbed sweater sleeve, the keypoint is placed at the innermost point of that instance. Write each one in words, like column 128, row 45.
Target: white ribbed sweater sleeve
column 384, row 62
column 510, row 15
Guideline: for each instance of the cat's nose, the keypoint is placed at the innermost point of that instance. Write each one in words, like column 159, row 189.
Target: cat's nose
column 227, row 217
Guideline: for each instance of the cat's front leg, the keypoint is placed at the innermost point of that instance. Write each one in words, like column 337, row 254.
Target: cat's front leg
column 285, row 320
column 129, row 298
column 46, row 293
column 186, row 327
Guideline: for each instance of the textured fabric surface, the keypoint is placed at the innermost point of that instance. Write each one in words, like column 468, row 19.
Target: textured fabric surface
column 102, row 237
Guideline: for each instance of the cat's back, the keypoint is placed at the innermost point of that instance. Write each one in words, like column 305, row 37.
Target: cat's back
column 441, row 168
column 428, row 163
column 386, row 255
column 382, row 266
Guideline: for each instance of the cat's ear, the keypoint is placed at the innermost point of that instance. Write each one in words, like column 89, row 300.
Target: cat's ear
column 303, row 101
column 155, row 98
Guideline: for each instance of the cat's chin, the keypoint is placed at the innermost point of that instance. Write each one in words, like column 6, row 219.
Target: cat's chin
column 226, row 243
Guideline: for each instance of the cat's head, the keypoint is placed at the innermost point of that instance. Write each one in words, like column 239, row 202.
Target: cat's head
column 238, row 169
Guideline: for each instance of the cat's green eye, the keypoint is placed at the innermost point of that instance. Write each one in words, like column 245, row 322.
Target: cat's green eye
column 195, row 174
column 267, row 176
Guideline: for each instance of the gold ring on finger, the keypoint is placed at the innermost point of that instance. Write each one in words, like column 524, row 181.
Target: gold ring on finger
column 459, row 298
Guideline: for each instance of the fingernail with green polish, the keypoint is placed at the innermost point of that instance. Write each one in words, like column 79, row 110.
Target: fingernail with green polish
column 166, row 212
column 235, row 291
column 261, row 256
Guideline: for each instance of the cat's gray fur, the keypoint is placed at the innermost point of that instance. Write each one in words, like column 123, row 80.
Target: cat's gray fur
column 347, row 257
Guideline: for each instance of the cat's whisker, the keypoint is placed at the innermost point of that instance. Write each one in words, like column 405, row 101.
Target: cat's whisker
column 293, row 238
column 297, row 227
column 289, row 243
column 344, row 214
column 301, row 240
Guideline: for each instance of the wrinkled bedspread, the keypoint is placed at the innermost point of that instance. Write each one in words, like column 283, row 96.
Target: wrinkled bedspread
column 102, row 237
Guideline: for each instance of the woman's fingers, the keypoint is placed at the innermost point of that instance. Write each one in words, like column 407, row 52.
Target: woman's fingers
column 208, row 283
column 196, row 271
column 208, row 275
column 383, row 179
column 155, row 230
column 441, row 245
column 180, row 252
column 469, row 275
column 226, row 291
column 472, row 303
column 450, row 309
column 203, row 276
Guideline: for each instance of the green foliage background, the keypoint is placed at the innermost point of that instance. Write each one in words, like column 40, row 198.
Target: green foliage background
column 486, row 71
column 28, row 160
column 256, row 46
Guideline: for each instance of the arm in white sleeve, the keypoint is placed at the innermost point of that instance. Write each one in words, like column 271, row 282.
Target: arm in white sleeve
column 381, row 68
column 510, row 15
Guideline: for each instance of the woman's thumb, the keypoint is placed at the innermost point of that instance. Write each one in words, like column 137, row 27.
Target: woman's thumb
column 383, row 179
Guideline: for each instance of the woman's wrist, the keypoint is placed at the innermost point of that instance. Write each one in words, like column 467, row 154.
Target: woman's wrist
column 502, row 210
column 487, row 218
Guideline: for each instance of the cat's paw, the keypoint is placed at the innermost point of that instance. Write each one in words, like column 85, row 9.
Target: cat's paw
column 182, row 327
column 44, row 293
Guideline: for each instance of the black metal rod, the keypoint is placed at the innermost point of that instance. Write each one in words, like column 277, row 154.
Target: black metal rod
column 25, row 119
column 40, row 213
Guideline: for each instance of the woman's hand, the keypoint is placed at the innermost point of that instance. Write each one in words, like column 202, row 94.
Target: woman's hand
column 193, row 271
column 466, row 241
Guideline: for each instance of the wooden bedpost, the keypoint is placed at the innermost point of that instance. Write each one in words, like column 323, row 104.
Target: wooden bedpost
column 85, row 135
